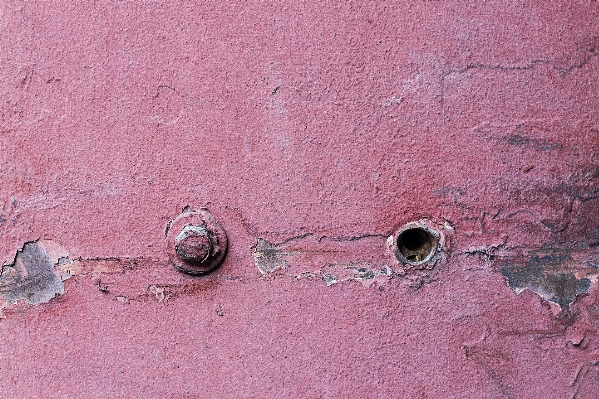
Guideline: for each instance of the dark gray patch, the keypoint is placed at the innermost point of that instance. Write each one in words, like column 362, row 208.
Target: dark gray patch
column 219, row 310
column 31, row 277
column 546, row 145
column 448, row 191
column 537, row 144
column 367, row 274
column 64, row 261
column 363, row 273
column 329, row 279
column 550, row 275
column 517, row 140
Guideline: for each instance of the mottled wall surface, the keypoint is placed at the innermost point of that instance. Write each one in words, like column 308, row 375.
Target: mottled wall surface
column 314, row 134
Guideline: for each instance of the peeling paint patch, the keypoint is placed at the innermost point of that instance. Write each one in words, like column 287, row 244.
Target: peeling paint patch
column 164, row 292
column 268, row 257
column 333, row 260
column 365, row 273
column 37, row 273
column 554, row 274
column 159, row 292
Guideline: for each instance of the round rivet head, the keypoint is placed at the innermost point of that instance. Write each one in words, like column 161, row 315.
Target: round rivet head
column 196, row 242
column 193, row 244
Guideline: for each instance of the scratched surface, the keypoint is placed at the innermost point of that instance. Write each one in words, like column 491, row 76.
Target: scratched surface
column 312, row 133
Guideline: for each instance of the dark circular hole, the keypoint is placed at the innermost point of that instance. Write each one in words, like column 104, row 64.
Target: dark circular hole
column 416, row 244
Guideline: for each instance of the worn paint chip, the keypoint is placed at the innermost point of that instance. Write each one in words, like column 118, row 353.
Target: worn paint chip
column 268, row 257
column 363, row 272
column 361, row 258
column 37, row 273
column 554, row 275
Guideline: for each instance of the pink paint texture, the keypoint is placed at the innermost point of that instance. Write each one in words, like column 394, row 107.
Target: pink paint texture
column 339, row 121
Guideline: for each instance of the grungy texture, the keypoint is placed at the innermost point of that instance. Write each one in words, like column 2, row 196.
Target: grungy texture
column 35, row 275
column 557, row 274
column 312, row 131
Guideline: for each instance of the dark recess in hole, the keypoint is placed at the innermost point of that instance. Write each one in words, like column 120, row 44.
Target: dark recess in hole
column 416, row 244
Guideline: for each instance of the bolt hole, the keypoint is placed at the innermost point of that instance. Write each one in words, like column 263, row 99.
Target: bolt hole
column 416, row 245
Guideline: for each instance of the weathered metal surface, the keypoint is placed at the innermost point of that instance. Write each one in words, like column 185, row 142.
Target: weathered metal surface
column 315, row 134
column 195, row 242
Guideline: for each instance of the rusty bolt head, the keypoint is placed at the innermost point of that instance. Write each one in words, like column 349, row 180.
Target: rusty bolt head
column 193, row 244
column 196, row 242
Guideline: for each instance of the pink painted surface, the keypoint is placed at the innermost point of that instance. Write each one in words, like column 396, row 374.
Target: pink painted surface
column 323, row 128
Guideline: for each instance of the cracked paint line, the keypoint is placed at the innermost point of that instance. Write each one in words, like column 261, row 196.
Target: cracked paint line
column 331, row 260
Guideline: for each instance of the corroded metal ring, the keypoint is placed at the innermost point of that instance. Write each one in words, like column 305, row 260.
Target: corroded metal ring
column 418, row 244
column 195, row 242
